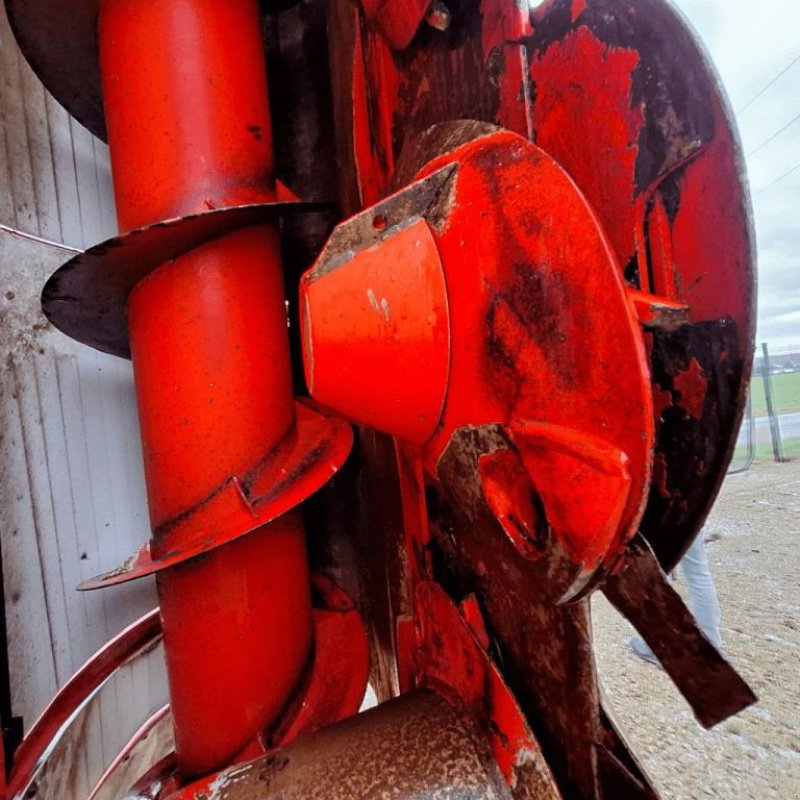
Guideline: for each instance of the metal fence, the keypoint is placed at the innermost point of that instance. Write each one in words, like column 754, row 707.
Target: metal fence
column 771, row 426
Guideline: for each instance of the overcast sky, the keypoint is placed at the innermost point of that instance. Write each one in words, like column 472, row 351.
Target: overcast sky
column 750, row 43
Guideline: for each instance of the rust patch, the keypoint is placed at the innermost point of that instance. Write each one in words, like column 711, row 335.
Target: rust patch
column 642, row 593
column 696, row 434
column 660, row 475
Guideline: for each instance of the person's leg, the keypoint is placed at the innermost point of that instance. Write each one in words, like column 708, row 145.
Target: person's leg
column 702, row 598
column 642, row 649
column 702, row 594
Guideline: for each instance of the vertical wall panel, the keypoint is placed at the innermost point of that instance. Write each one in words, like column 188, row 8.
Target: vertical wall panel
column 56, row 181
column 64, row 171
column 72, row 500
column 37, row 130
column 72, row 503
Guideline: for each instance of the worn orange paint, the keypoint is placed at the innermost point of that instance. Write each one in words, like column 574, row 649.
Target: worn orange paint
column 189, row 129
column 538, row 364
column 521, row 299
column 376, row 335
column 188, row 125
column 568, row 104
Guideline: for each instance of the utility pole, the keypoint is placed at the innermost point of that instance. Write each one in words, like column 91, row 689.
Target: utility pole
column 774, row 426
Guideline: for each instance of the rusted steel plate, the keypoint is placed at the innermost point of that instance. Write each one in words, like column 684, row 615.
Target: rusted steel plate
column 415, row 747
column 642, row 593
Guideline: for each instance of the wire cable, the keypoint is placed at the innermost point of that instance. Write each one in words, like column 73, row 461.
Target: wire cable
column 778, row 179
column 764, row 88
column 773, row 136
column 32, row 237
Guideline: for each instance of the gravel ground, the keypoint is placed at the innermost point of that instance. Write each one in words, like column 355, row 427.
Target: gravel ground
column 752, row 544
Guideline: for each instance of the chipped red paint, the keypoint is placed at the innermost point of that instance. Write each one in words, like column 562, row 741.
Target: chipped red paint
column 493, row 33
column 661, row 261
column 578, row 7
column 503, row 22
column 662, row 400
column 552, row 373
column 692, row 387
column 710, row 246
column 655, row 162
column 579, row 121
column 362, row 135
column 373, row 115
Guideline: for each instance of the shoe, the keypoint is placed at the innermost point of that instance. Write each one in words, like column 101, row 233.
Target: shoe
column 641, row 650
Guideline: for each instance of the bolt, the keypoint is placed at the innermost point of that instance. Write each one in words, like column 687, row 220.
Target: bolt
column 438, row 16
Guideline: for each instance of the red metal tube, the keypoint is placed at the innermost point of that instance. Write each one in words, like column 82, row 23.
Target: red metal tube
column 189, row 130
column 186, row 104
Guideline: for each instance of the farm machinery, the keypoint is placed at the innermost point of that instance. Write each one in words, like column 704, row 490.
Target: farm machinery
column 441, row 320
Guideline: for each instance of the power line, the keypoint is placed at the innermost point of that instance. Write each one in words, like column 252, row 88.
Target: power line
column 778, row 179
column 774, row 135
column 764, row 88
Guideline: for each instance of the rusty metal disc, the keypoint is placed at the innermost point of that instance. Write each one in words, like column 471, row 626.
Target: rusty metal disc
column 285, row 478
column 628, row 103
column 59, row 40
column 86, row 297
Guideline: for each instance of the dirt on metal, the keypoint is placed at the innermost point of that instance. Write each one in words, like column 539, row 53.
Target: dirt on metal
column 411, row 748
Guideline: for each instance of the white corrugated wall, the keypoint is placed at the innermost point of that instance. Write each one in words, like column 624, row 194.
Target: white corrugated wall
column 72, row 500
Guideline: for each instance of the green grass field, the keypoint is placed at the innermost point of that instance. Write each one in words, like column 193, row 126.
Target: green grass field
column 786, row 400
column 790, row 448
column 785, row 393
